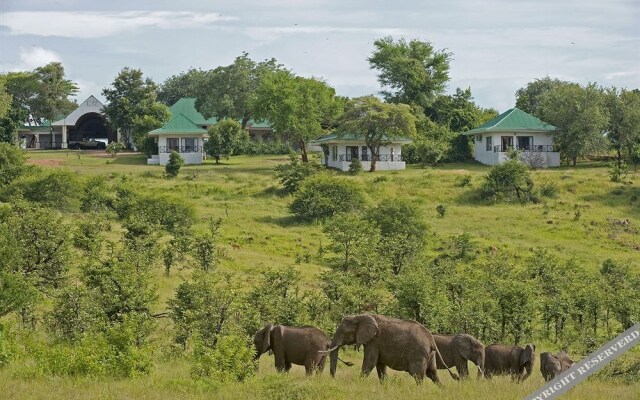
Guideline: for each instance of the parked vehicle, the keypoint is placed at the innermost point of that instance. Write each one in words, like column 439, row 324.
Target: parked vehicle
column 89, row 144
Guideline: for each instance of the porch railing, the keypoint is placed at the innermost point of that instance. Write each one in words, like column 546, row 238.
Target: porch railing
column 368, row 157
column 44, row 145
column 546, row 148
column 180, row 149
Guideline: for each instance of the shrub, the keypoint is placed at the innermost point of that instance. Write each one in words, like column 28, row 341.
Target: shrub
column 321, row 196
column 265, row 147
column 509, row 181
column 226, row 137
column 12, row 163
column 549, row 189
column 355, row 167
column 442, row 210
column 97, row 195
column 618, row 171
column 114, row 148
column 464, row 180
column 292, row 174
column 8, row 346
column 173, row 166
column 231, row 360
column 72, row 314
column 149, row 146
column 58, row 188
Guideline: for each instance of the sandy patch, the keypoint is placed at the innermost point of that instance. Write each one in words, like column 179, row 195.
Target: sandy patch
column 46, row 162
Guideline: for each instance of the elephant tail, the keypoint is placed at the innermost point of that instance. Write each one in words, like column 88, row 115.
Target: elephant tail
column 347, row 363
column 453, row 375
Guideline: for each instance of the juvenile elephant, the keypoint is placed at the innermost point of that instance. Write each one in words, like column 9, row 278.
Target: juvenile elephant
column 456, row 350
column 402, row 345
column 300, row 346
column 515, row 360
column 552, row 365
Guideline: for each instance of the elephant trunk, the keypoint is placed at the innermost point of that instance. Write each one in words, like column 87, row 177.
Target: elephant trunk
column 480, row 363
column 335, row 349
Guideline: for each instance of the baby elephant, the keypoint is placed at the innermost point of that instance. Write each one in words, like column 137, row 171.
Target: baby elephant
column 552, row 365
column 300, row 346
column 517, row 361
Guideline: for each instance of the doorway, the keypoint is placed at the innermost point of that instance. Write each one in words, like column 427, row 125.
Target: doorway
column 352, row 152
column 507, row 143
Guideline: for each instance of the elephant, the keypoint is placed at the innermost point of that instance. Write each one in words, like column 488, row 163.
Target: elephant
column 402, row 345
column 515, row 360
column 456, row 350
column 552, row 365
column 300, row 346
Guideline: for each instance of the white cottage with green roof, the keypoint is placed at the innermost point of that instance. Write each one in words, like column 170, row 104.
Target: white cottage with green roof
column 185, row 133
column 339, row 151
column 515, row 129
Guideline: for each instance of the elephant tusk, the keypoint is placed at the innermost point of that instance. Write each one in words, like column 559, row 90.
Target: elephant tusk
column 328, row 351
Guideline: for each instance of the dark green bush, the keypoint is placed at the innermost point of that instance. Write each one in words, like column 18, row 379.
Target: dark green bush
column 231, row 360
column 510, row 182
column 173, row 166
column 322, row 195
column 97, row 196
column 12, row 163
column 549, row 189
column 60, row 189
column 355, row 167
column 292, row 174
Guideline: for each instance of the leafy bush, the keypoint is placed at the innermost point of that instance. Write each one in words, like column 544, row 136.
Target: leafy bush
column 509, row 181
column 355, row 167
column 12, row 163
column 149, row 146
column 8, row 345
column 618, row 171
column 292, row 174
column 97, row 195
column 266, row 147
column 442, row 210
column 321, row 196
column 226, row 137
column 58, row 188
column 549, row 189
column 72, row 315
column 173, row 166
column 231, row 360
column 464, row 180
column 114, row 148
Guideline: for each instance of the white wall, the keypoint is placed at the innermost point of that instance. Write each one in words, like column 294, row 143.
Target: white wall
column 189, row 158
column 380, row 165
column 489, row 157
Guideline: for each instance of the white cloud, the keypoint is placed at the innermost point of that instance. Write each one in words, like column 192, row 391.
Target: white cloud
column 32, row 58
column 82, row 24
column 267, row 33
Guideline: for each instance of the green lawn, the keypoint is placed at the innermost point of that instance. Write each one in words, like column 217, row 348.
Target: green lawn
column 259, row 233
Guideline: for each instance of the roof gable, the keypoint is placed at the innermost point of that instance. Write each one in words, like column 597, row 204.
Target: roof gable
column 187, row 107
column 513, row 120
column 179, row 124
column 90, row 105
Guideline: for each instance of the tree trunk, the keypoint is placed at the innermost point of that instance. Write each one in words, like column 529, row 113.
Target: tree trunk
column 374, row 157
column 303, row 148
column 244, row 121
column 574, row 160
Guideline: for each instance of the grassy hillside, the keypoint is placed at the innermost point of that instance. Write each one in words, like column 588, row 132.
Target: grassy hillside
column 259, row 233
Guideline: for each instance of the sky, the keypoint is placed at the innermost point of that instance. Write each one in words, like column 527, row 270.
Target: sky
column 498, row 46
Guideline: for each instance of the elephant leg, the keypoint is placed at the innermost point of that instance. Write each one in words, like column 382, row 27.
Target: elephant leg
column 463, row 369
column 287, row 366
column 321, row 362
column 280, row 362
column 308, row 366
column 382, row 371
column 432, row 371
column 370, row 360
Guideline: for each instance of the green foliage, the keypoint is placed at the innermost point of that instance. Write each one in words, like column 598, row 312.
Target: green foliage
column 59, row 188
column 299, row 109
column 292, row 175
column 275, row 299
column 97, row 195
column 412, row 72
column 185, row 84
column 549, row 189
column 226, row 138
column 509, row 181
column 529, row 97
column 205, row 247
column 266, row 147
column 377, row 123
column 231, row 360
column 353, row 238
column 149, row 146
column 464, row 180
column 618, row 171
column 8, row 345
column 73, row 314
column 321, row 196
column 623, row 131
column 355, row 167
column 12, row 163
column 402, row 231
column 441, row 209
column 173, row 166
column 114, row 148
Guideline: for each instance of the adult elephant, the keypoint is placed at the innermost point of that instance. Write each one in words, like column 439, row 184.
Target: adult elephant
column 517, row 361
column 290, row 345
column 402, row 345
column 552, row 365
column 457, row 350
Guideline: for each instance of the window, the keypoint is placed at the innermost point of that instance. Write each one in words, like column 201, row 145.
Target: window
column 365, row 153
column 189, row 145
column 489, row 143
column 525, row 142
column 334, row 153
column 173, row 144
column 352, row 152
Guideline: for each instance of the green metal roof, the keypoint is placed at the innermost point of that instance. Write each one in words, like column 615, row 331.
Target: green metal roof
column 179, row 124
column 258, row 125
column 334, row 137
column 187, row 107
column 513, row 120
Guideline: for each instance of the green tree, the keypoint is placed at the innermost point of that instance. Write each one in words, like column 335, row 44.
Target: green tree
column 230, row 91
column 581, row 117
column 155, row 115
column 52, row 99
column 129, row 99
column 529, row 97
column 299, row 109
column 292, row 174
column 321, row 196
column 624, row 120
column 413, row 72
column 6, row 99
column 402, row 231
column 173, row 166
column 185, row 84
column 12, row 163
column 226, row 137
column 377, row 123
column 509, row 181
column 352, row 238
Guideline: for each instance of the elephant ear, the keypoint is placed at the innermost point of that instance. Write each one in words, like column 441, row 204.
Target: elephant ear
column 463, row 345
column 367, row 329
column 527, row 354
column 266, row 338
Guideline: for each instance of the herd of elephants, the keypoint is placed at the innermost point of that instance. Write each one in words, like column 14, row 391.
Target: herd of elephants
column 402, row 345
